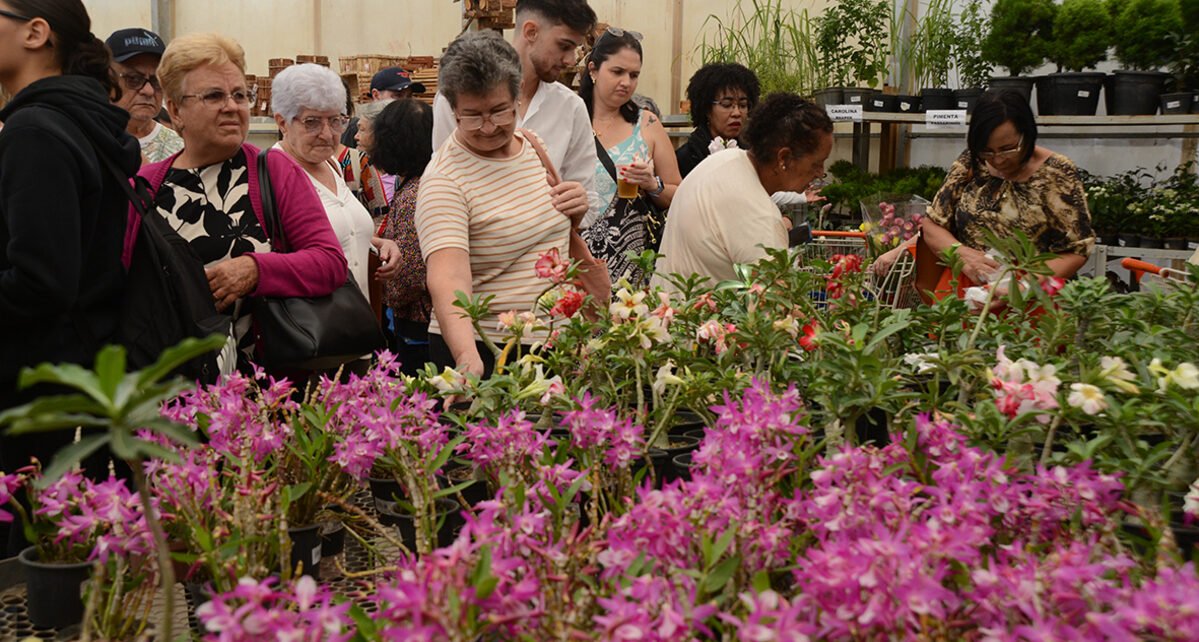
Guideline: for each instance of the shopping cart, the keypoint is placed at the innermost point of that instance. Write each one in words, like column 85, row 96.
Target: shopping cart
column 895, row 288
column 1151, row 276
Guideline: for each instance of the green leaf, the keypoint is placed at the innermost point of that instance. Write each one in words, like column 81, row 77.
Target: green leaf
column 68, row 375
column 177, row 355
column 48, row 423
column 761, row 582
column 453, row 490
column 722, row 544
column 122, row 445
column 721, row 574
column 296, row 491
column 66, row 458
column 110, row 369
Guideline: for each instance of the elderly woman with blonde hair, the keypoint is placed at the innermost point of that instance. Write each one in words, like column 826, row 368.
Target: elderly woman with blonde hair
column 209, row 192
column 309, row 104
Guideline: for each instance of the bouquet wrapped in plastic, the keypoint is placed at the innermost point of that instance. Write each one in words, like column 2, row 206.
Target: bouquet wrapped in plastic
column 892, row 219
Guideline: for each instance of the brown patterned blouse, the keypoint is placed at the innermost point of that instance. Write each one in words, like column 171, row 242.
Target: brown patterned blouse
column 406, row 294
column 1050, row 207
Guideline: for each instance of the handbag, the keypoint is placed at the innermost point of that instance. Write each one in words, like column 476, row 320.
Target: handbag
column 593, row 273
column 310, row 333
column 643, row 205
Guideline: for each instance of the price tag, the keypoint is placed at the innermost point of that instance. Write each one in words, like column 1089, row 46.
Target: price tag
column 945, row 118
column 844, row 113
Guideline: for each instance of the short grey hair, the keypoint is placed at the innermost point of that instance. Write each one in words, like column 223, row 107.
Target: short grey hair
column 307, row 86
column 368, row 112
column 476, row 63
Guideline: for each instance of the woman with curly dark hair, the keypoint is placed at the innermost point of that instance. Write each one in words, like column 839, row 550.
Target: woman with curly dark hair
column 723, row 213
column 402, row 145
column 721, row 95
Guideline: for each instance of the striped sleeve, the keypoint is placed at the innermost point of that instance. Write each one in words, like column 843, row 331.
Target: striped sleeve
column 442, row 217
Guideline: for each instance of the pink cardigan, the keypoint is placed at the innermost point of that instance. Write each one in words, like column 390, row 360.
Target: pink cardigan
column 315, row 266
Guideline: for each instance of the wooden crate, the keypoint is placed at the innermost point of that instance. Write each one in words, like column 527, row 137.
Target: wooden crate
column 369, row 64
column 312, row 59
column 428, row 78
column 359, row 84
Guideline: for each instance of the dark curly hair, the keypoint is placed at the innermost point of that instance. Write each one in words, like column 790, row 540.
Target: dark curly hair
column 607, row 46
column 403, row 134
column 77, row 51
column 785, row 120
column 575, row 14
column 714, row 78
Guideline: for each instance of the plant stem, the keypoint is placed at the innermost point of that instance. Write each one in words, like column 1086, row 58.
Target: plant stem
column 166, row 571
column 1048, row 447
column 1182, row 448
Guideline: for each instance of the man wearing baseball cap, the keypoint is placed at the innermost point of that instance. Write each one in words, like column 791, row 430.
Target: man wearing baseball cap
column 394, row 83
column 136, row 54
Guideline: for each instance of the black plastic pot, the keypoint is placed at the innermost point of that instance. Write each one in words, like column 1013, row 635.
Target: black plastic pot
column 1177, row 103
column 306, row 548
column 937, row 98
column 457, row 474
column 883, row 103
column 830, row 96
column 872, row 428
column 857, row 96
column 1069, row 94
column 679, row 445
column 685, row 422
column 385, row 489
column 392, row 515
column 966, row 98
column 1134, row 93
column 1174, row 243
column 333, row 538
column 906, row 104
column 1152, row 242
column 1018, row 84
column 682, row 465
column 1129, row 239
column 54, row 592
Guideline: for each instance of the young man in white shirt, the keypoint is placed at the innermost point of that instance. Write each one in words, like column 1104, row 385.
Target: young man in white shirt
column 136, row 54
column 547, row 38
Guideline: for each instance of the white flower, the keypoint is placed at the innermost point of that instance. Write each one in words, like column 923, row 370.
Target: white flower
column 1116, row 372
column 449, row 380
column 1089, row 398
column 627, row 305
column 1190, row 504
column 665, row 377
column 789, row 325
column 921, row 361
column 1186, row 376
column 719, row 144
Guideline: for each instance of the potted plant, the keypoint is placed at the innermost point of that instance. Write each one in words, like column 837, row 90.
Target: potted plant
column 1081, row 35
column 1184, row 67
column 833, row 33
column 933, row 55
column 867, row 59
column 1141, row 30
column 1018, row 41
column 973, row 25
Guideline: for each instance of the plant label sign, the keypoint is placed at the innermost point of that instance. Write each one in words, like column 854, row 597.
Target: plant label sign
column 945, row 118
column 844, row 113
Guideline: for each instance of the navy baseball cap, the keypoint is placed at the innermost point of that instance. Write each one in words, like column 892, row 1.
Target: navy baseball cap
column 127, row 43
column 395, row 79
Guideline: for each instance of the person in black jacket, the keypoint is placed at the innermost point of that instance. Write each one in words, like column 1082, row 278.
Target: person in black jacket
column 721, row 95
column 62, row 215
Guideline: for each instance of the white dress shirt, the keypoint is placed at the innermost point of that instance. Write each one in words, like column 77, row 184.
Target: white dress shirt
column 559, row 117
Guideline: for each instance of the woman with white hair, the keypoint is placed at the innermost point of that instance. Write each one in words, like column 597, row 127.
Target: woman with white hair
column 309, row 102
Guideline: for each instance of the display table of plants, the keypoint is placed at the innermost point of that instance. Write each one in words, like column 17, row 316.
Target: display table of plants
column 776, row 457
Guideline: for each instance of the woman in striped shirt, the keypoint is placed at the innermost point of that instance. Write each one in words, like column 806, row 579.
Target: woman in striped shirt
column 485, row 211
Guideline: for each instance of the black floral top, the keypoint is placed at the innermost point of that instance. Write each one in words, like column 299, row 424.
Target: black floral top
column 406, row 294
column 1050, row 207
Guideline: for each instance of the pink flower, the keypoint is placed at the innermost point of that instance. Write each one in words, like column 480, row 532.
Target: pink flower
column 568, row 304
column 550, row 266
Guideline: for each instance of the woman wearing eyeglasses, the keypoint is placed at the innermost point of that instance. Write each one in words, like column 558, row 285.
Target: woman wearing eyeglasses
column 309, row 104
column 633, row 148
column 484, row 211
column 721, row 94
column 209, row 191
column 1005, row 182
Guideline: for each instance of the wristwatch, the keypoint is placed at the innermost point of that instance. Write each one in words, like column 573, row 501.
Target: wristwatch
column 661, row 188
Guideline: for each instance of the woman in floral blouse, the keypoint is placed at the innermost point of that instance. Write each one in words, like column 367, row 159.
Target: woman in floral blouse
column 401, row 145
column 1005, row 182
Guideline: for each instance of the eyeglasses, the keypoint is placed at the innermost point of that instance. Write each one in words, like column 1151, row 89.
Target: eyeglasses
column 730, row 103
column 135, row 81
column 218, row 97
column 990, row 156
column 499, row 119
column 14, row 16
column 620, row 33
column 316, row 124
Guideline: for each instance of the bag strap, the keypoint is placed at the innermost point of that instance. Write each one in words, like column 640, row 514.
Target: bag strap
column 270, row 217
column 529, row 136
column 605, row 159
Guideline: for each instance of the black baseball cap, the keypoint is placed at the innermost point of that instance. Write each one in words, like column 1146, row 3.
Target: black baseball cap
column 127, row 43
column 395, row 79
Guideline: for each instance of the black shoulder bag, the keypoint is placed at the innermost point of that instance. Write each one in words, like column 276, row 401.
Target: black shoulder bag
column 310, row 333
column 655, row 217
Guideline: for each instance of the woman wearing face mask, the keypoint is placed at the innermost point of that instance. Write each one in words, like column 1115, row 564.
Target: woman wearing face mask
column 1005, row 182
column 723, row 213
column 637, row 150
